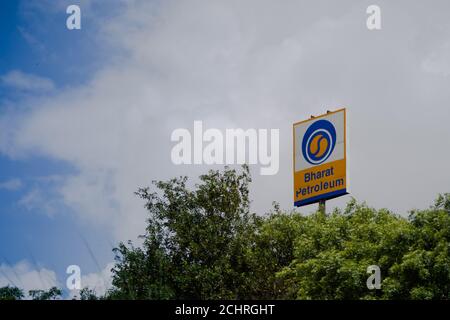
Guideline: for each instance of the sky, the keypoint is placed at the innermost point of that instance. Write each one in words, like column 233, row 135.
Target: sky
column 86, row 115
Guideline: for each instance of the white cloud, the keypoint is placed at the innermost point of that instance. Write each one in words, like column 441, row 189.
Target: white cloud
column 26, row 277
column 37, row 199
column 438, row 62
column 27, row 82
column 252, row 64
column 11, row 185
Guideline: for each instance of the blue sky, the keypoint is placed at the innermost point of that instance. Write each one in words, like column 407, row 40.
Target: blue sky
column 34, row 40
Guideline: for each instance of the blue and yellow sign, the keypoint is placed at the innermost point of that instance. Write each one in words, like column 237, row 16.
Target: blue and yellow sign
column 320, row 158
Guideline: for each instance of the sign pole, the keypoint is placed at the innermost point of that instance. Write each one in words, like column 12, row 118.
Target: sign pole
column 322, row 208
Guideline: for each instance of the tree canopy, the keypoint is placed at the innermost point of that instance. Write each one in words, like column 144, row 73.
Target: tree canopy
column 203, row 242
column 11, row 293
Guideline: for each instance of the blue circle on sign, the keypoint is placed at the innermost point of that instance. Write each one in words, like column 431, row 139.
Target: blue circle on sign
column 318, row 142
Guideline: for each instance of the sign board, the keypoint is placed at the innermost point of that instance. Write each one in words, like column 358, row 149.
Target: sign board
column 320, row 168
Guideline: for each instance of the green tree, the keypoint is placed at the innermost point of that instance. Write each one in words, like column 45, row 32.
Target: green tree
column 203, row 243
column 88, row 294
column 271, row 249
column 51, row 294
column 332, row 252
column 11, row 293
column 195, row 241
column 424, row 271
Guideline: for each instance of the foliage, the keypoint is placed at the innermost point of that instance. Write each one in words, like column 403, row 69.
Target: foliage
column 88, row 294
column 11, row 293
column 205, row 244
column 332, row 253
column 195, row 243
column 51, row 294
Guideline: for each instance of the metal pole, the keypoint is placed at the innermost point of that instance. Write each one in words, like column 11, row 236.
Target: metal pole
column 322, row 207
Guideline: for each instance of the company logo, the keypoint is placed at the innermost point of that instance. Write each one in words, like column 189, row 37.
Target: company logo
column 318, row 142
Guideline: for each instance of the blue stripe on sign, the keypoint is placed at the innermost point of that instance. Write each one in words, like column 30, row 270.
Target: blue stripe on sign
column 325, row 196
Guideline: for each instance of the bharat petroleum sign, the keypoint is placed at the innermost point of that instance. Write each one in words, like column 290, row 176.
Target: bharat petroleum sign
column 320, row 158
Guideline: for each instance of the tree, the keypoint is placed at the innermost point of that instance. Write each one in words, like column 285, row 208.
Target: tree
column 88, row 294
column 51, row 294
column 271, row 249
column 202, row 242
column 332, row 252
column 11, row 293
column 424, row 271
column 194, row 242
column 205, row 244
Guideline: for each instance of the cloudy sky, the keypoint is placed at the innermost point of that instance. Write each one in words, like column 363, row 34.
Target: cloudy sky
column 86, row 115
